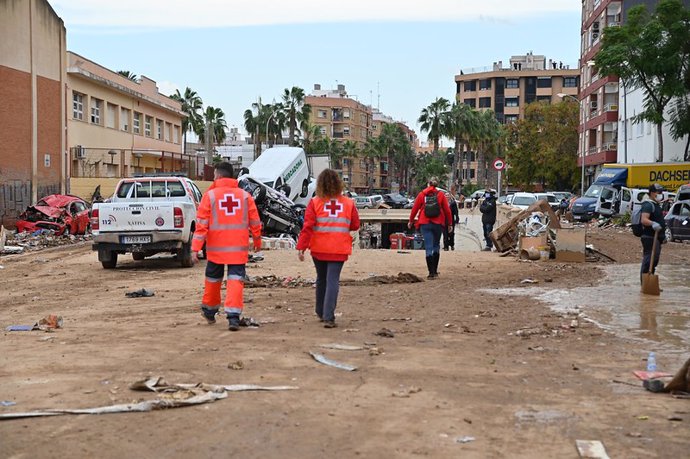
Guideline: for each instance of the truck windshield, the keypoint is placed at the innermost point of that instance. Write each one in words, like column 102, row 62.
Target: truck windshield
column 593, row 191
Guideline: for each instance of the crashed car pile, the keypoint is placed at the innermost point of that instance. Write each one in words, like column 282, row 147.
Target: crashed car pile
column 279, row 215
column 58, row 213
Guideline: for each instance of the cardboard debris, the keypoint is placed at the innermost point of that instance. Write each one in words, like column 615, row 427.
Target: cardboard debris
column 505, row 237
column 591, row 449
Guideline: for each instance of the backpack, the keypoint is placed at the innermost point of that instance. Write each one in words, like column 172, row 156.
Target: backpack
column 636, row 220
column 431, row 207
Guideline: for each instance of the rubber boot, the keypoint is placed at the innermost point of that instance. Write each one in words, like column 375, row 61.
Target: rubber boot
column 430, row 267
column 436, row 258
column 233, row 322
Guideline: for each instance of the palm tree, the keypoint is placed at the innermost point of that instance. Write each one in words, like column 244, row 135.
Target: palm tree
column 129, row 75
column 255, row 120
column 296, row 111
column 488, row 134
column 462, row 126
column 374, row 149
column 215, row 119
column 276, row 122
column 350, row 151
column 191, row 106
column 433, row 120
column 311, row 133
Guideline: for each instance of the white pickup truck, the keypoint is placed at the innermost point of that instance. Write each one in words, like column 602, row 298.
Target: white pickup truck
column 145, row 216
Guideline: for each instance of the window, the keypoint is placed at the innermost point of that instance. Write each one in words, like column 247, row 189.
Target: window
column 512, row 83
column 322, row 130
column 544, row 82
column 484, row 84
column 124, row 119
column 640, row 128
column 110, row 115
column 136, row 123
column 545, row 99
column 512, row 101
column 470, row 85
column 375, row 127
column 321, row 113
column 485, row 102
column 168, row 131
column 685, row 211
column 147, row 125
column 176, row 134
column 78, row 106
column 470, row 102
column 346, row 130
column 159, row 129
column 96, row 107
column 649, row 128
column 570, row 82
column 346, row 113
column 511, row 119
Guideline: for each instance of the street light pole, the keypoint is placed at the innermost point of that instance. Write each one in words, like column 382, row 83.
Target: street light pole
column 582, row 175
column 267, row 122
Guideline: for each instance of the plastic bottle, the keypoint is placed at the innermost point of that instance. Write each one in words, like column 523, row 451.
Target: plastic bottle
column 651, row 362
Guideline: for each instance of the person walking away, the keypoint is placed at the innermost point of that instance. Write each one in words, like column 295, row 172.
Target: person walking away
column 226, row 216
column 432, row 212
column 488, row 210
column 328, row 220
column 449, row 233
column 653, row 226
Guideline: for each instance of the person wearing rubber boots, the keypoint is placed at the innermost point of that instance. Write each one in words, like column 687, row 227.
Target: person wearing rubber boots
column 328, row 220
column 653, row 225
column 434, row 214
column 226, row 216
column 488, row 210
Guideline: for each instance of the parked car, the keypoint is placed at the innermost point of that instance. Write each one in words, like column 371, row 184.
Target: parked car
column 377, row 199
column 678, row 221
column 364, row 202
column 551, row 198
column 395, row 200
column 683, row 193
column 505, row 199
column 523, row 200
column 563, row 195
column 58, row 212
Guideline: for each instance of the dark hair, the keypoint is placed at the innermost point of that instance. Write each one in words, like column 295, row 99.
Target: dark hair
column 225, row 169
column 328, row 184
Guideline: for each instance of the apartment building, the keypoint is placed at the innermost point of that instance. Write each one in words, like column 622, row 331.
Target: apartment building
column 343, row 118
column 117, row 127
column 508, row 89
column 32, row 90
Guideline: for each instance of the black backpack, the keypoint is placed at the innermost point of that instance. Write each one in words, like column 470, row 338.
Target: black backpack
column 636, row 220
column 431, row 207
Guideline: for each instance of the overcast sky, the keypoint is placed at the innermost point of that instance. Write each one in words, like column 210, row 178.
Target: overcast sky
column 398, row 54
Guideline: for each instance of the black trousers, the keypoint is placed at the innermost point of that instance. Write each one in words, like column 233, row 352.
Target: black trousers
column 647, row 244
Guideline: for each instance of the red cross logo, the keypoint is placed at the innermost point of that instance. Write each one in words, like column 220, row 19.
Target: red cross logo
column 333, row 208
column 229, row 204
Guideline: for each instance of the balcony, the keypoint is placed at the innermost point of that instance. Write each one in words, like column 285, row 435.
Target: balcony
column 611, row 107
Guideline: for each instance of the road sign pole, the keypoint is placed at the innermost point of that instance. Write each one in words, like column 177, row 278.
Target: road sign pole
column 499, row 184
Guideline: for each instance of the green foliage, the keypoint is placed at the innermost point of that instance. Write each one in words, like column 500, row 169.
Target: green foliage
column 129, row 75
column 542, row 147
column 469, row 189
column 434, row 120
column 427, row 166
column 651, row 52
column 622, row 220
column 192, row 106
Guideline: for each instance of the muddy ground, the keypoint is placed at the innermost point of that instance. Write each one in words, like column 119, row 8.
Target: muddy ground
column 504, row 370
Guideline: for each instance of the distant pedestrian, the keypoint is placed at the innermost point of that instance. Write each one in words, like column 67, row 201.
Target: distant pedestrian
column 488, row 210
column 434, row 214
column 449, row 233
column 328, row 220
column 461, row 201
column 653, row 226
column 226, row 216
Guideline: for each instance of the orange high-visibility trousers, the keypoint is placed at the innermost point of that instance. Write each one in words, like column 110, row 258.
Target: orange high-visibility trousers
column 234, row 295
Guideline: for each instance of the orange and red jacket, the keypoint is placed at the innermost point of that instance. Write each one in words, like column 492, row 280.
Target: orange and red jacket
column 444, row 218
column 327, row 226
column 224, row 219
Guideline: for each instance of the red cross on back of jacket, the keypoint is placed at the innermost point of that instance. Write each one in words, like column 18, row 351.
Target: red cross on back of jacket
column 332, row 229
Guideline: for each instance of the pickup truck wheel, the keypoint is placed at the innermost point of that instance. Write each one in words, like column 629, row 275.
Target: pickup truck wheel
column 138, row 256
column 108, row 259
column 185, row 254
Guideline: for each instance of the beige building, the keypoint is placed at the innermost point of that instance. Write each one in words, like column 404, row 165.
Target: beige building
column 508, row 90
column 343, row 118
column 117, row 127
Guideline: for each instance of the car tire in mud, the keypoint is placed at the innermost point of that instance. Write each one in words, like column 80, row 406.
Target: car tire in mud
column 110, row 261
column 185, row 254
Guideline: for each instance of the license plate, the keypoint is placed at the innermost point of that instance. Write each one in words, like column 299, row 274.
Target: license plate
column 136, row 239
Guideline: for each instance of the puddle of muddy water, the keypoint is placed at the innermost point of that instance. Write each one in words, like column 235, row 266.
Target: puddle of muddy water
column 616, row 304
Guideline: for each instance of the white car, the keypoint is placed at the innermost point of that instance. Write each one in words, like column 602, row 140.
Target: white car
column 364, row 202
column 551, row 198
column 523, row 200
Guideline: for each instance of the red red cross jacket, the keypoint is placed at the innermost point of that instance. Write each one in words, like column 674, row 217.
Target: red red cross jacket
column 327, row 226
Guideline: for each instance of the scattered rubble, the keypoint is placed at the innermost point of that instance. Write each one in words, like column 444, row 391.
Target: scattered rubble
column 385, row 332
column 12, row 242
column 145, row 293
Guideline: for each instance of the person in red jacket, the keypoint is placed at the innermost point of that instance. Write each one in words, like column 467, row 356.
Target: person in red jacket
column 226, row 216
column 434, row 215
column 328, row 220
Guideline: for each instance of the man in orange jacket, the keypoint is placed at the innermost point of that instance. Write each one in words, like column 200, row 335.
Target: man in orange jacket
column 225, row 217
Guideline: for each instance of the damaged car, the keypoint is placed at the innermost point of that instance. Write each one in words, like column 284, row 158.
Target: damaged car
column 279, row 215
column 64, row 214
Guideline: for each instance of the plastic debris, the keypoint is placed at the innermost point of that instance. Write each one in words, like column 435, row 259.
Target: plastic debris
column 7, row 403
column 332, row 363
column 529, row 281
column 465, row 439
column 140, row 293
column 342, row 347
column 592, row 449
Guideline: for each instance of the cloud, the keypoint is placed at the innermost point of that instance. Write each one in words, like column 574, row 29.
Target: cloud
column 87, row 14
column 167, row 87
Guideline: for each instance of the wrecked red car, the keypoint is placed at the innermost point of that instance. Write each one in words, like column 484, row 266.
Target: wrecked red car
column 58, row 212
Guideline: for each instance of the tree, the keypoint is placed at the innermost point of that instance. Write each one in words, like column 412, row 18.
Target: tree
column 349, row 150
column 296, row 111
column 489, row 132
column 650, row 52
column 427, row 166
column 191, row 106
column 255, row 120
column 461, row 126
column 311, row 133
column 374, row 149
column 129, row 75
column 434, row 120
column 542, row 147
column 393, row 145
column 215, row 119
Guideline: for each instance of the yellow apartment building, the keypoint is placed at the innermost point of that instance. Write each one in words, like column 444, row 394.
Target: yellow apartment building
column 507, row 91
column 117, row 127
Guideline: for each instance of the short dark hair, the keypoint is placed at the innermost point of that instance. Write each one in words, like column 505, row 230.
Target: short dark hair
column 225, row 169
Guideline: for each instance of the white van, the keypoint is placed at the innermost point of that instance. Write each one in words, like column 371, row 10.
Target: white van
column 285, row 169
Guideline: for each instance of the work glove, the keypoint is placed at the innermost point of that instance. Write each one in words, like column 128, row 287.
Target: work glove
column 656, row 226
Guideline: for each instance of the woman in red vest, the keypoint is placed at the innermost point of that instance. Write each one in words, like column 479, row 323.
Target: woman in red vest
column 328, row 220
